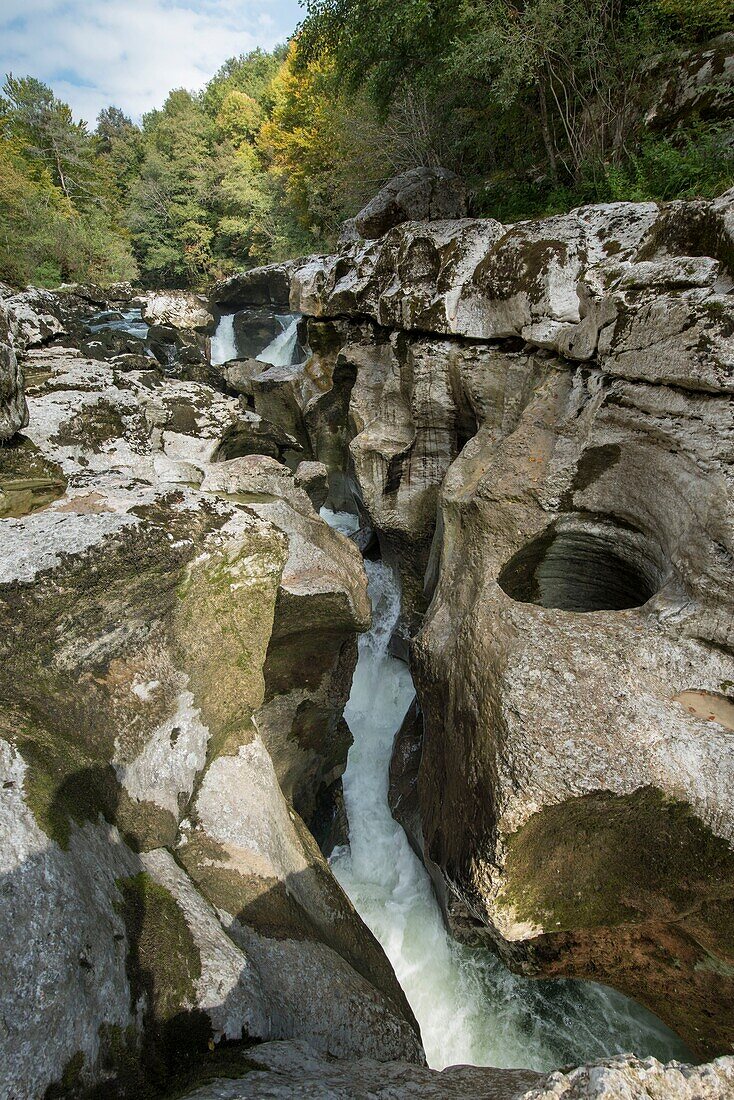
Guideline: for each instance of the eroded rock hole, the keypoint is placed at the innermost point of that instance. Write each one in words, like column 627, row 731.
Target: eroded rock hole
column 587, row 567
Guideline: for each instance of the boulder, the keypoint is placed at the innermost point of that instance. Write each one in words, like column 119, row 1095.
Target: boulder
column 181, row 309
column 313, row 478
column 238, row 375
column 261, row 286
column 34, row 317
column 418, row 195
column 13, row 408
column 254, row 329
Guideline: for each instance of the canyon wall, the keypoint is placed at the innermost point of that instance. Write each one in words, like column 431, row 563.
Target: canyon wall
column 537, row 421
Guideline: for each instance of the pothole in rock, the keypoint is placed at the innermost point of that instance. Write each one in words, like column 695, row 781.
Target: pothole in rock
column 580, row 565
column 709, row 705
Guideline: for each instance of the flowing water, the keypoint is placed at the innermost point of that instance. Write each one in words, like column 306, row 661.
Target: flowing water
column 470, row 1008
column 279, row 352
column 129, row 321
column 224, row 342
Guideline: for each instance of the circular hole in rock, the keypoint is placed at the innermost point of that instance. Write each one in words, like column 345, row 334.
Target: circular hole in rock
column 584, row 566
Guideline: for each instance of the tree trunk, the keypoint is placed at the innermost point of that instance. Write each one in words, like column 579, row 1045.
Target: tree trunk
column 546, row 130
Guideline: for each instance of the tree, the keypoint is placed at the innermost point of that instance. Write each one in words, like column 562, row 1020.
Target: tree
column 169, row 212
column 51, row 138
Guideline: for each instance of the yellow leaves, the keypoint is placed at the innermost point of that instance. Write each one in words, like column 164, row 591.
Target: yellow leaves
column 239, row 118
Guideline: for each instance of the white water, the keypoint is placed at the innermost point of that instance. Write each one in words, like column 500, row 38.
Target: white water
column 279, row 352
column 224, row 344
column 470, row 1008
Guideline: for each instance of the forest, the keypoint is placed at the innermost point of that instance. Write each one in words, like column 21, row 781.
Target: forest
column 540, row 105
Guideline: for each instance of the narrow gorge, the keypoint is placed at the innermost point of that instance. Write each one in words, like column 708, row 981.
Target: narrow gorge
column 367, row 667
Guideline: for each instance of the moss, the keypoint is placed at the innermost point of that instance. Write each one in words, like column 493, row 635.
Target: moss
column 144, row 824
column 222, row 626
column 94, row 426
column 119, row 1054
column 61, row 783
column 71, row 1079
column 163, row 966
column 164, row 960
column 605, row 859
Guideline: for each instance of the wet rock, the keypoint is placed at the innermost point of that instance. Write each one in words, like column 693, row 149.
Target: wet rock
column 262, row 286
column 421, row 194
column 28, row 480
column 254, row 329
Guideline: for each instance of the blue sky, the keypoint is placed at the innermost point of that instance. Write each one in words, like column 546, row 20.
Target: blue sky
column 130, row 53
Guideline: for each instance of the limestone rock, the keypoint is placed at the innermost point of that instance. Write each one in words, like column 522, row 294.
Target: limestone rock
column 293, row 1070
column 238, row 374
column 13, row 408
column 701, row 87
column 313, row 478
column 254, row 329
column 261, row 286
column 181, row 309
column 148, row 629
column 577, row 284
column 34, row 317
column 580, row 593
column 421, row 194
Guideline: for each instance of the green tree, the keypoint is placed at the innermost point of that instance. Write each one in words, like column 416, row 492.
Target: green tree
column 169, row 212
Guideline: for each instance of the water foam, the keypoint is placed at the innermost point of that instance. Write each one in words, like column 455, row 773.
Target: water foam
column 470, row 1008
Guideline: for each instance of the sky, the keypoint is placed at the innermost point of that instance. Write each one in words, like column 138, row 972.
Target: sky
column 130, row 53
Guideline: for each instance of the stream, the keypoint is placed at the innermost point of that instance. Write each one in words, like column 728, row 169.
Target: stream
column 470, row 1008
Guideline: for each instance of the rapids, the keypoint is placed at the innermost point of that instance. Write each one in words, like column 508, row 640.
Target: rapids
column 470, row 1008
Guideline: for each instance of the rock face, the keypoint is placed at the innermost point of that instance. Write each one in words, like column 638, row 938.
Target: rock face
column 422, row 194
column 538, row 424
column 161, row 720
column 13, row 408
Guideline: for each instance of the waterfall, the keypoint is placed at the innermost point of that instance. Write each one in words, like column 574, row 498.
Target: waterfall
column 224, row 343
column 280, row 351
column 470, row 1008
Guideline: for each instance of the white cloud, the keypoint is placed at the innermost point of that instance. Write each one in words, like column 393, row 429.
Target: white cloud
column 132, row 52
